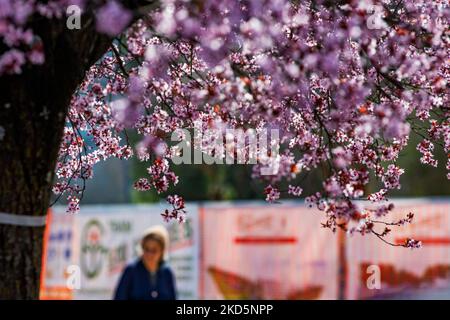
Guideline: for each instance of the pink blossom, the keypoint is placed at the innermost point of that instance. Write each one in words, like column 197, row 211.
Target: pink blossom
column 272, row 194
column 295, row 190
column 11, row 62
column 73, row 205
column 413, row 244
column 112, row 18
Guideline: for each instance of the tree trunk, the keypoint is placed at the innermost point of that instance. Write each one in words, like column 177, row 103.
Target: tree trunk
column 33, row 107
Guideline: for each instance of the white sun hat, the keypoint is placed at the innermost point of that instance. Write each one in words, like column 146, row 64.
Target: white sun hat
column 159, row 230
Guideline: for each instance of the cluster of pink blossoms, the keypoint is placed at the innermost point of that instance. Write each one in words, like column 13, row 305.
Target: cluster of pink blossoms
column 21, row 46
column 344, row 96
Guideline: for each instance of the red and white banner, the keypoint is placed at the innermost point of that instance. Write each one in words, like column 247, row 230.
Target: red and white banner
column 403, row 272
column 251, row 250
column 266, row 252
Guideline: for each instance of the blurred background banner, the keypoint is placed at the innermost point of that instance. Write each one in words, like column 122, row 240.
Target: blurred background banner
column 103, row 240
column 260, row 251
column 405, row 273
column 250, row 250
column 57, row 256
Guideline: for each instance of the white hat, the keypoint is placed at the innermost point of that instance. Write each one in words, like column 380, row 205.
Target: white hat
column 162, row 232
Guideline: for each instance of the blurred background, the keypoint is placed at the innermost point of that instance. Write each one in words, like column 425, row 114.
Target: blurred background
column 236, row 246
column 113, row 180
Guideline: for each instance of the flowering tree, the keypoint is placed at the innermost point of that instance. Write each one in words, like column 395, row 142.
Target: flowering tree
column 343, row 83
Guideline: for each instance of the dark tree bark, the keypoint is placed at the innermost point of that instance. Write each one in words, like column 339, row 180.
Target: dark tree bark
column 33, row 107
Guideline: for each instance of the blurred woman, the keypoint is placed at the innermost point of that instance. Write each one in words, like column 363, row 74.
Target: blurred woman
column 148, row 278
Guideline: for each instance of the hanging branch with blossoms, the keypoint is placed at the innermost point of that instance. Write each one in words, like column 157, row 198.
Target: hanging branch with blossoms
column 344, row 91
